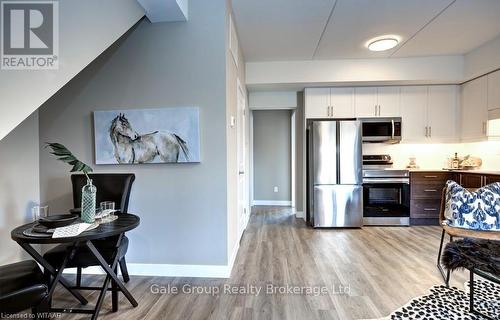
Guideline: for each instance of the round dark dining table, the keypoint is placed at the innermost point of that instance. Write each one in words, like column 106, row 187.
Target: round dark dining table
column 110, row 230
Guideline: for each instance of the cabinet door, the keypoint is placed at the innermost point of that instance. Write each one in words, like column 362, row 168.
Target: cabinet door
column 342, row 102
column 491, row 179
column 414, row 113
column 474, row 110
column 442, row 113
column 494, row 90
column 365, row 102
column 388, row 99
column 317, row 102
column 471, row 180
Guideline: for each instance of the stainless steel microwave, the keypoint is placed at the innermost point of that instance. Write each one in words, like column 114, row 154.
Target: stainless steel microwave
column 381, row 130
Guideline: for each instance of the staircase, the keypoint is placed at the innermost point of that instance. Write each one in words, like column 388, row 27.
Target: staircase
column 86, row 29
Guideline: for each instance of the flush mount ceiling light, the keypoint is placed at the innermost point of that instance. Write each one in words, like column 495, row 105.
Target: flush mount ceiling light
column 382, row 43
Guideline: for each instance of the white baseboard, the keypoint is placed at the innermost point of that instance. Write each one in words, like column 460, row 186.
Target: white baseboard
column 271, row 203
column 299, row 214
column 170, row 270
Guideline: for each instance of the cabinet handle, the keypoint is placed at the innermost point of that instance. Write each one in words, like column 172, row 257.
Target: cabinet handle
column 328, row 112
column 430, row 190
column 331, row 112
column 430, row 209
column 379, row 110
column 430, row 177
column 375, row 110
column 430, row 132
column 426, row 131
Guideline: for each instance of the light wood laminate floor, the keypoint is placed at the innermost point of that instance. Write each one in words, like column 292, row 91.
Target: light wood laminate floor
column 367, row 272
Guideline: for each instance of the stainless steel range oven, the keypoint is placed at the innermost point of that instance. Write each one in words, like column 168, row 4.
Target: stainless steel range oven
column 386, row 192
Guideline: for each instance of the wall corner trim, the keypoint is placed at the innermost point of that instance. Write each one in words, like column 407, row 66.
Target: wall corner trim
column 299, row 215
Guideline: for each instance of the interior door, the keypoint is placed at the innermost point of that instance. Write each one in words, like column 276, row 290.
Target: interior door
column 414, row 113
column 365, row 101
column 243, row 207
column 388, row 99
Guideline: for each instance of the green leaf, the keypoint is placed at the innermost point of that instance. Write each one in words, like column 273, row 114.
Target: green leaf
column 64, row 155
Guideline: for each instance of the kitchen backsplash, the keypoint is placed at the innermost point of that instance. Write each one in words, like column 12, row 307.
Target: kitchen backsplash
column 435, row 156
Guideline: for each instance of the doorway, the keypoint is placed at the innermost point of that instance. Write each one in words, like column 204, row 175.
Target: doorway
column 273, row 157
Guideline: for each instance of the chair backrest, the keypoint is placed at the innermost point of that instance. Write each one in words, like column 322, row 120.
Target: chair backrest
column 114, row 187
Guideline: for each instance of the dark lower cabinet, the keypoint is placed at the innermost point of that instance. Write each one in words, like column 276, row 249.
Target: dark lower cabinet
column 426, row 189
column 491, row 179
column 471, row 180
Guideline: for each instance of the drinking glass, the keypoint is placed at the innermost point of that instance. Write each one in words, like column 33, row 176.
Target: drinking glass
column 39, row 212
column 108, row 205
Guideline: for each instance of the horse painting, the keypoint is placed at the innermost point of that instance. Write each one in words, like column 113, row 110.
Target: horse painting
column 132, row 147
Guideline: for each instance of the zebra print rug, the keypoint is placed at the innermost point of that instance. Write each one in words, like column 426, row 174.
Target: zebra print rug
column 452, row 303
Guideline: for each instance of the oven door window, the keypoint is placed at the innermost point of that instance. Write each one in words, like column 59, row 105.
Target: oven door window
column 386, row 200
column 380, row 195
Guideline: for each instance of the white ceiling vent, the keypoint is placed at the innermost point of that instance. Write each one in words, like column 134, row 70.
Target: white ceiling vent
column 165, row 10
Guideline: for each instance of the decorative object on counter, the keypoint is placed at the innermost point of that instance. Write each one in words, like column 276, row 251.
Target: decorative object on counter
column 89, row 190
column 165, row 135
column 470, row 163
column 412, row 164
column 455, row 161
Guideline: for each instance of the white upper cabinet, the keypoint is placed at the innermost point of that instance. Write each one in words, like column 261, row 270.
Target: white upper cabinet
column 317, row 102
column 329, row 103
column 442, row 113
column 474, row 109
column 494, row 90
column 377, row 102
column 365, row 102
column 342, row 102
column 414, row 113
column 429, row 113
column 388, row 100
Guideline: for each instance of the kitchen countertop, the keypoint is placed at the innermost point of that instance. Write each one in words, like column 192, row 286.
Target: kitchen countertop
column 476, row 171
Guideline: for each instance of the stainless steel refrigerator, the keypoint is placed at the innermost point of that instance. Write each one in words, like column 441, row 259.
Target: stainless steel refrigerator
column 334, row 174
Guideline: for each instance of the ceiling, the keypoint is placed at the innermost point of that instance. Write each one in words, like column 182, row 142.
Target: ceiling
column 278, row 30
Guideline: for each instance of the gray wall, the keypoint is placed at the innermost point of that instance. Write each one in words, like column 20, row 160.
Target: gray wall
column 272, row 154
column 19, row 184
column 182, row 207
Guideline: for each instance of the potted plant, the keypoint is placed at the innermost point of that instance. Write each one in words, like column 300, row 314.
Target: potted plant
column 89, row 190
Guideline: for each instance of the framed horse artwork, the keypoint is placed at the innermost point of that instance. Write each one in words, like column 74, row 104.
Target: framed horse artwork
column 165, row 135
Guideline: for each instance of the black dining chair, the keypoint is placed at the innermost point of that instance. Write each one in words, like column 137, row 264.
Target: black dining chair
column 114, row 187
column 22, row 287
